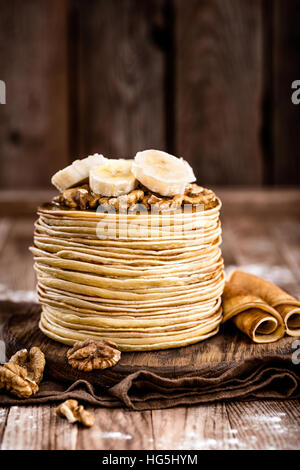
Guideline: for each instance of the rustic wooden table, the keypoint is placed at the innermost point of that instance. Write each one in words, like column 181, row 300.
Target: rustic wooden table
column 261, row 232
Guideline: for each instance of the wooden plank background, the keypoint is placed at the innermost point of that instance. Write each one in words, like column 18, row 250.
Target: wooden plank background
column 209, row 80
column 34, row 121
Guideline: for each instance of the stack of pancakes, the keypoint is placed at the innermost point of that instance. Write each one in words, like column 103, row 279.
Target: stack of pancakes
column 145, row 281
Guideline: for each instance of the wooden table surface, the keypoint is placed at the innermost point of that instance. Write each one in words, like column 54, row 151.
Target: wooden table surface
column 261, row 234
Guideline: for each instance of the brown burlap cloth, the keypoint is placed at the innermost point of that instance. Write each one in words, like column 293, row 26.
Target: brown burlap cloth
column 238, row 369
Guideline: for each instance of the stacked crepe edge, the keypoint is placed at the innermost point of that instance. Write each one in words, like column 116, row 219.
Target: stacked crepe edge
column 154, row 285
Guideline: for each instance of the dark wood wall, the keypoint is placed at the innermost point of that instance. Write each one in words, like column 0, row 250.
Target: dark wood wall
column 208, row 80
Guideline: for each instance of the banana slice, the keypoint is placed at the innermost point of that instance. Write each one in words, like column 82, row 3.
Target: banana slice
column 162, row 173
column 113, row 179
column 76, row 173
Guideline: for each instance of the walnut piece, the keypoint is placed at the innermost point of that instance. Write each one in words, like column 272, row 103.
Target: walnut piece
column 80, row 197
column 83, row 198
column 91, row 354
column 15, row 380
column 33, row 361
column 75, row 413
column 161, row 203
column 86, row 199
column 122, row 203
column 23, row 372
column 193, row 189
column 195, row 194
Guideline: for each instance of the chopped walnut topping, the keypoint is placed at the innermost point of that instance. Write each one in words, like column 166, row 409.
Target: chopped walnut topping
column 82, row 198
column 86, row 199
column 161, row 203
column 75, row 413
column 130, row 199
column 121, row 203
column 91, row 354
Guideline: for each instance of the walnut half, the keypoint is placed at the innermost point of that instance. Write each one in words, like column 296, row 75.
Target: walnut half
column 14, row 379
column 33, row 361
column 74, row 412
column 91, row 354
column 23, row 372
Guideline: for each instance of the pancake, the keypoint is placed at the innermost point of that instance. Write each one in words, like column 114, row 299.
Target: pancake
column 147, row 281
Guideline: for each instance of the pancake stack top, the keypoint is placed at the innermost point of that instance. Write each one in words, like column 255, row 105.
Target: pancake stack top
column 129, row 251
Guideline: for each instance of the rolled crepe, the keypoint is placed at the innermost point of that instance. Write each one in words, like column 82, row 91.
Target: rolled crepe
column 245, row 291
column 251, row 314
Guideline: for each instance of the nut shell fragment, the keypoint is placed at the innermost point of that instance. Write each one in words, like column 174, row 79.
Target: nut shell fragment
column 90, row 354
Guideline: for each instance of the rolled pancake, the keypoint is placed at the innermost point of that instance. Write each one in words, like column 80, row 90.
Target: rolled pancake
column 251, row 314
column 259, row 308
column 286, row 305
